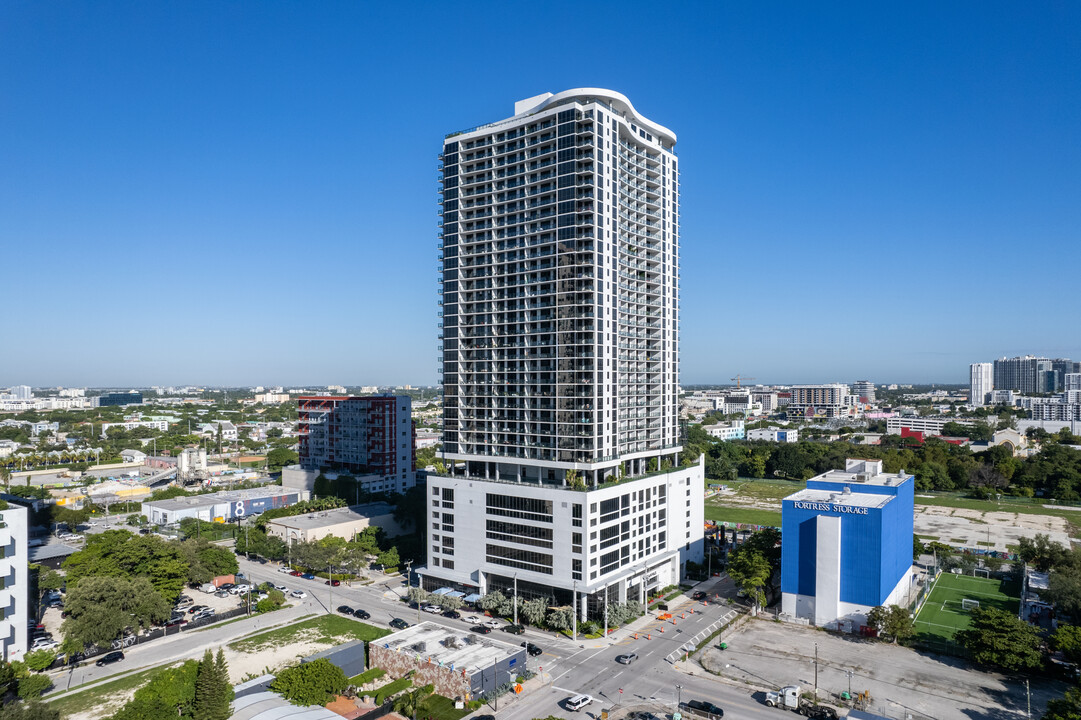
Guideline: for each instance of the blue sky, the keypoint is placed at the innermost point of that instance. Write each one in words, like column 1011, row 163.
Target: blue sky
column 245, row 193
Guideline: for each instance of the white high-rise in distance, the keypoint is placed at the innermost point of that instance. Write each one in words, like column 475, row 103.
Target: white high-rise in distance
column 560, row 291
column 980, row 381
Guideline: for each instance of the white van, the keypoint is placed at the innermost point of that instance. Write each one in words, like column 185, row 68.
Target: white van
column 578, row 702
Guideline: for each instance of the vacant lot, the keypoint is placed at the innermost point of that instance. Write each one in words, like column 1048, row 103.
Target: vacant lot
column 766, row 655
column 324, row 629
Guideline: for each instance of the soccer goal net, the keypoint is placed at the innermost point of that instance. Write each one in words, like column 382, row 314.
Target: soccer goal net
column 982, row 572
column 967, row 604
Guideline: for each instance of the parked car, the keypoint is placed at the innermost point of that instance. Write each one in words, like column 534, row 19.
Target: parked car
column 197, row 608
column 285, row 569
column 345, row 610
column 514, row 629
column 279, row 586
column 44, row 643
column 362, row 614
column 209, row 612
column 174, row 621
column 334, row 583
column 222, row 594
column 482, row 629
column 295, row 573
column 452, row 614
column 493, row 624
column 627, row 658
column 532, row 649
column 578, row 702
column 110, row 658
column 399, row 624
column 298, row 594
column 308, row 576
column 227, row 586
column 434, row 609
column 702, row 708
column 472, row 619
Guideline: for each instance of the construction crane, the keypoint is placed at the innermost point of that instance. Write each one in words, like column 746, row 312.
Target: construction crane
column 739, row 378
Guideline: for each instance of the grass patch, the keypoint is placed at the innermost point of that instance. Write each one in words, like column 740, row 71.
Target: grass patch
column 765, row 490
column 748, row 516
column 392, row 688
column 98, row 696
column 942, row 615
column 981, row 543
column 324, row 628
column 927, row 537
column 367, row 676
column 438, row 707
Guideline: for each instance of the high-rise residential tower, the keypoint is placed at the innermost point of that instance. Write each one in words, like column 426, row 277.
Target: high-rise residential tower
column 980, row 383
column 560, row 317
column 560, row 252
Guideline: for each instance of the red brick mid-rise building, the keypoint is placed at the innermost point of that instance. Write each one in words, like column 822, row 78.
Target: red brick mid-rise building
column 371, row 438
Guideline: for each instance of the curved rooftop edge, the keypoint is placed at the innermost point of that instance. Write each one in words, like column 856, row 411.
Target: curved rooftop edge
column 616, row 100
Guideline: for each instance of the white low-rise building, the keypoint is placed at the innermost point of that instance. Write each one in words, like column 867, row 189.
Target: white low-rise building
column 725, row 431
column 772, row 434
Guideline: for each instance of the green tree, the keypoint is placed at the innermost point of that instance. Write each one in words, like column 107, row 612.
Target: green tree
column 750, row 571
column 533, row 611
column 1068, row 707
column 169, row 693
column 40, row 660
column 32, row 685
column 1067, row 640
column 211, row 684
column 322, row 487
column 996, row 637
column 917, row 548
column 1041, row 552
column 389, row 558
column 100, row 609
column 560, row 618
column 313, row 683
column 280, row 457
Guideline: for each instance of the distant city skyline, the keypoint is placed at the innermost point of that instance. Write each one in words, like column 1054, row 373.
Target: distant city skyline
column 243, row 194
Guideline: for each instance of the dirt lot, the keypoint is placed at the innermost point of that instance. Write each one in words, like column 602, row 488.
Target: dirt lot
column 766, row 655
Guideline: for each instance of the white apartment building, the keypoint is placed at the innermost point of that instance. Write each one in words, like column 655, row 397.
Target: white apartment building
column 560, row 311
column 980, row 383
column 1071, row 381
column 864, row 390
column 272, row 398
column 20, row 392
column 14, row 588
column 832, row 400
column 560, row 253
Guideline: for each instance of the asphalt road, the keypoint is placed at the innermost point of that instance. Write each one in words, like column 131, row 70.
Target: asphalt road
column 565, row 668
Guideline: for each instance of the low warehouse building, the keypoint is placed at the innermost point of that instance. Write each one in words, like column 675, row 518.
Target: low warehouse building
column 457, row 663
column 220, row 506
column 343, row 522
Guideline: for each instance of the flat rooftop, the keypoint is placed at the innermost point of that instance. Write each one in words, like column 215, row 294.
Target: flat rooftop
column 855, row 499
column 194, row 501
column 862, row 478
column 474, row 652
column 322, row 518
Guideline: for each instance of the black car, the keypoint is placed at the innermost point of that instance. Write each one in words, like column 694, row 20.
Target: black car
column 362, row 614
column 452, row 614
column 532, row 649
column 701, row 707
column 514, row 629
column 699, row 595
column 345, row 610
column 110, row 658
column 482, row 629
column 399, row 624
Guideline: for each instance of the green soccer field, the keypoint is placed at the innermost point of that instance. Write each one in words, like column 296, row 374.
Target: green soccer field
column 942, row 614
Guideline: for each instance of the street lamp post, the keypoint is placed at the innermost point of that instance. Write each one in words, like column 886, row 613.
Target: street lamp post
column 679, row 696
column 515, row 598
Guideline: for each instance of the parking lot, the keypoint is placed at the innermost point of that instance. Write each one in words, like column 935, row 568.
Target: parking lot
column 902, row 682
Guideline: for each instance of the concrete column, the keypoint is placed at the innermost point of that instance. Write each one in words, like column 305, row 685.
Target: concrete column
column 519, row 472
column 827, row 569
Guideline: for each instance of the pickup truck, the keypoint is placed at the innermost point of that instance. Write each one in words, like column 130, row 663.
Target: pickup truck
column 701, row 709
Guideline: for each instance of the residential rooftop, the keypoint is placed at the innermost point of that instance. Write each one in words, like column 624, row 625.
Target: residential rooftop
column 190, row 501
column 322, row 518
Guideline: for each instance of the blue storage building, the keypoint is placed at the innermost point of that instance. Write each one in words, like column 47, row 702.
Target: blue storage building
column 847, row 545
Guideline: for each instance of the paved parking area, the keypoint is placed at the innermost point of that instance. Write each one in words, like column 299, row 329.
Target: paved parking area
column 901, row 681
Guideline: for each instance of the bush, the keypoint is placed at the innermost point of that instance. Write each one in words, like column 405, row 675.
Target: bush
column 369, row 675
column 314, row 683
column 391, row 689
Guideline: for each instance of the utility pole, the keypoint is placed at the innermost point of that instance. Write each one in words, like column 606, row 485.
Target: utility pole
column 574, row 614
column 816, row 673
column 1028, row 700
column 679, row 696
column 515, row 598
